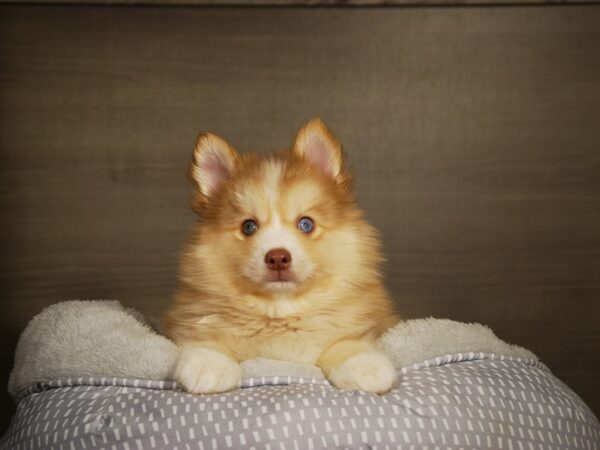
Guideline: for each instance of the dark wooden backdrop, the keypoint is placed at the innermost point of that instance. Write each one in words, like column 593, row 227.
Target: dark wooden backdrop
column 474, row 133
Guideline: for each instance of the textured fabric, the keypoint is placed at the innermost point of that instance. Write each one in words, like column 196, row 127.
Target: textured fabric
column 98, row 338
column 456, row 401
column 87, row 338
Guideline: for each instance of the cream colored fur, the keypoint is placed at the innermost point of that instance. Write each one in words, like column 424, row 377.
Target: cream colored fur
column 329, row 301
column 101, row 338
column 203, row 370
column 367, row 371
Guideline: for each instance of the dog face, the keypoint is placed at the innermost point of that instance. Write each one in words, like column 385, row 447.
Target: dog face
column 279, row 225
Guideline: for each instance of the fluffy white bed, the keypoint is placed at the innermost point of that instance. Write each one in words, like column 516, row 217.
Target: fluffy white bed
column 99, row 338
column 92, row 374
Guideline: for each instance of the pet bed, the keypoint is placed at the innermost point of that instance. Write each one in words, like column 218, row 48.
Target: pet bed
column 94, row 375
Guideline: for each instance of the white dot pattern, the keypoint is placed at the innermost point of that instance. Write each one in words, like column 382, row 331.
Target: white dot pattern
column 469, row 400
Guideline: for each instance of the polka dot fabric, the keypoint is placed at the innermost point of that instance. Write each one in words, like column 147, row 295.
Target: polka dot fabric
column 467, row 401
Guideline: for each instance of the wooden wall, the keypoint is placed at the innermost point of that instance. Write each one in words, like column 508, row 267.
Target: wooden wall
column 474, row 133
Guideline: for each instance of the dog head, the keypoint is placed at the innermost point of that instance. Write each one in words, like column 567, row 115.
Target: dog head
column 276, row 225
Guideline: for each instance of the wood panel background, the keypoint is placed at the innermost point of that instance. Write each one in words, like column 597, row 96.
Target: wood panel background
column 474, row 134
column 303, row 3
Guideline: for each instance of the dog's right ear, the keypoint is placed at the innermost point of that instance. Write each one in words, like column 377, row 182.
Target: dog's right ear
column 212, row 164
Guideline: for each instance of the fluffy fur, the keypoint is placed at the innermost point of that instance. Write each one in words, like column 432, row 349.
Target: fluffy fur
column 89, row 338
column 327, row 309
column 101, row 338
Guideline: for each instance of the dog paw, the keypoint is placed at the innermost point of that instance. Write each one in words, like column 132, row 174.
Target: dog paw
column 206, row 371
column 367, row 371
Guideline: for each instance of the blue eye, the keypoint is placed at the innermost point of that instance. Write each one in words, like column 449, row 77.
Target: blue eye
column 249, row 227
column 306, row 225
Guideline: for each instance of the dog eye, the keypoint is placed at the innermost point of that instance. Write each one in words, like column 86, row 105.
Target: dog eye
column 249, row 227
column 306, row 225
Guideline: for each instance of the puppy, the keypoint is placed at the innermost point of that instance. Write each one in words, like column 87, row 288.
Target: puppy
column 281, row 265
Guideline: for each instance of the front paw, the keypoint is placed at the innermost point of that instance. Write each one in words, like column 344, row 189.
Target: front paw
column 367, row 371
column 205, row 371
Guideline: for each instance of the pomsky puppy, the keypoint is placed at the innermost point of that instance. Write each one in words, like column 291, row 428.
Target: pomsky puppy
column 281, row 265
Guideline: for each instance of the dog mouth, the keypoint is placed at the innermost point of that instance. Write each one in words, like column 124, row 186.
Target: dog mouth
column 279, row 276
column 275, row 280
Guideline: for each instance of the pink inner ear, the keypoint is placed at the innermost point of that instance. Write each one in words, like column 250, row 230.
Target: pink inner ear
column 213, row 171
column 318, row 155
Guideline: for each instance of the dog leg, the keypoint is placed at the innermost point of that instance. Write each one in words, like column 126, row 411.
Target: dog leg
column 356, row 365
column 207, row 368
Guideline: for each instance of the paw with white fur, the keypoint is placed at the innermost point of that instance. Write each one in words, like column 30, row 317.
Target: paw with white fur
column 206, row 371
column 366, row 371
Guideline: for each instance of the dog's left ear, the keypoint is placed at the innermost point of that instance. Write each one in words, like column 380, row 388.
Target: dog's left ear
column 317, row 145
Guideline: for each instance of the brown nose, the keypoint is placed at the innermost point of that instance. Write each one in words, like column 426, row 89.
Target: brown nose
column 278, row 259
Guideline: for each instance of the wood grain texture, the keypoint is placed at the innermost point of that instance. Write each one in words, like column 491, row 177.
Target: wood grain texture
column 473, row 132
column 303, row 3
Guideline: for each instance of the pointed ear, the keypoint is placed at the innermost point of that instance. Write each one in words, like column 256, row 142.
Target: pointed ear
column 212, row 163
column 317, row 145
